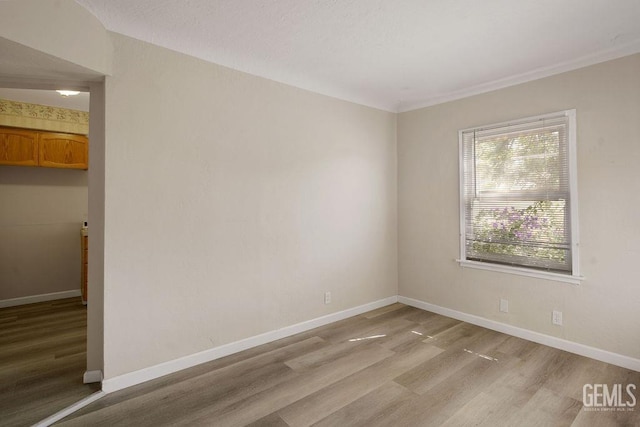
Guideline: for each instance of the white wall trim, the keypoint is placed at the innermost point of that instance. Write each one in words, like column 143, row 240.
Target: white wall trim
column 39, row 298
column 92, row 377
column 70, row 409
column 559, row 343
column 536, row 74
column 110, row 385
column 522, row 271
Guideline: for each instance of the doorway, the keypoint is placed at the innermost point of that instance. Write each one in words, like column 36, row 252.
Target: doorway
column 43, row 339
column 95, row 191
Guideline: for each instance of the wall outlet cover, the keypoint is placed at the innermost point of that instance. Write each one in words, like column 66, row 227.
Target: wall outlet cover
column 327, row 297
column 556, row 318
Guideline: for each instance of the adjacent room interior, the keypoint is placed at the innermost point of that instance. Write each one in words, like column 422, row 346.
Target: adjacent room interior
column 44, row 252
column 230, row 208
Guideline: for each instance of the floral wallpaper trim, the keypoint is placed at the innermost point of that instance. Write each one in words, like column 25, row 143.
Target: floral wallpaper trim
column 43, row 117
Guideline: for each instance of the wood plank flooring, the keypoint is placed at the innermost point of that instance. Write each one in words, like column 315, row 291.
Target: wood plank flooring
column 42, row 360
column 396, row 366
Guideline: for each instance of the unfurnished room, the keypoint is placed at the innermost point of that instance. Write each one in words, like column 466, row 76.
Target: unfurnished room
column 319, row 212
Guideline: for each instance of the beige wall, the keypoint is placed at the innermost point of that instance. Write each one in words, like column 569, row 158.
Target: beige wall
column 61, row 28
column 41, row 211
column 233, row 203
column 96, row 174
column 601, row 312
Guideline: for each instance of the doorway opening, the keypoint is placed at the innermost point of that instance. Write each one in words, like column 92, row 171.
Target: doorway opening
column 45, row 362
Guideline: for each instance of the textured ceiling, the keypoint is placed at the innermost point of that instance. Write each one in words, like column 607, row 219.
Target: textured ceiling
column 395, row 55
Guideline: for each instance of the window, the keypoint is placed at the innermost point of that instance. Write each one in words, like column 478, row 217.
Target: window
column 518, row 197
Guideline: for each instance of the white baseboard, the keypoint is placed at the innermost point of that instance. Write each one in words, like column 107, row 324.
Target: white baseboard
column 70, row 409
column 39, row 298
column 110, row 385
column 559, row 343
column 92, row 377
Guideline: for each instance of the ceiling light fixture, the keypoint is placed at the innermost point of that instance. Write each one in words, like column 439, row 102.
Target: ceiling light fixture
column 67, row 93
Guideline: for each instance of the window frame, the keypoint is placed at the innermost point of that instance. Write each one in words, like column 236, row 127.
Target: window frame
column 574, row 276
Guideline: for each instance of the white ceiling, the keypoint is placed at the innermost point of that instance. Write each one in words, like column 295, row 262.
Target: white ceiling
column 21, row 66
column 21, row 62
column 395, row 55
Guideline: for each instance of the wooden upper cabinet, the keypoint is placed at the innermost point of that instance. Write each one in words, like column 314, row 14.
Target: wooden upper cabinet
column 22, row 147
column 18, row 147
column 63, row 150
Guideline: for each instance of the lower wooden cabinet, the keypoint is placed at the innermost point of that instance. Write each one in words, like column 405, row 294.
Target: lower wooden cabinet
column 23, row 147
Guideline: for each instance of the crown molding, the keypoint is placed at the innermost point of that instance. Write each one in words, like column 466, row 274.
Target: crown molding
column 539, row 73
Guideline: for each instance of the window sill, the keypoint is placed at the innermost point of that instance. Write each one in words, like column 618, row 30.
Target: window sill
column 566, row 278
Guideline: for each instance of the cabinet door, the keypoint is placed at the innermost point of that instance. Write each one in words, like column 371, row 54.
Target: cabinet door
column 18, row 147
column 63, row 150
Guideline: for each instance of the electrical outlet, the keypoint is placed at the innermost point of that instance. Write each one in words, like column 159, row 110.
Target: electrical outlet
column 556, row 318
column 327, row 297
column 504, row 305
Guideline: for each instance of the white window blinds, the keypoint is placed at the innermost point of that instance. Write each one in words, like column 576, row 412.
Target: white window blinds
column 516, row 193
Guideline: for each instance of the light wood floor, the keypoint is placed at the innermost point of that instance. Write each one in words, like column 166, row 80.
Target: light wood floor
column 42, row 360
column 421, row 369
